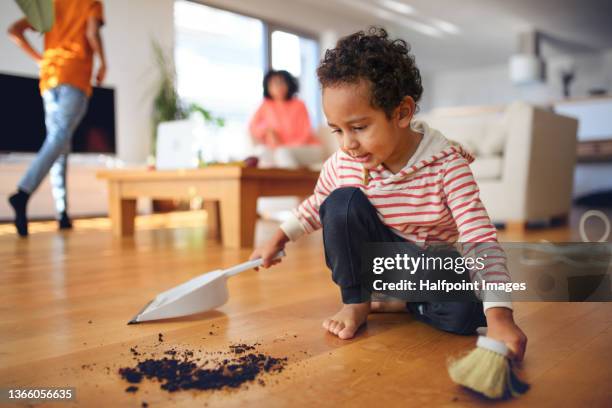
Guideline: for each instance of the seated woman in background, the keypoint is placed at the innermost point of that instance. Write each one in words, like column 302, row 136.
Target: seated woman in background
column 281, row 128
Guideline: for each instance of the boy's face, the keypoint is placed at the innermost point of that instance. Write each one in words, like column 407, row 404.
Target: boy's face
column 365, row 132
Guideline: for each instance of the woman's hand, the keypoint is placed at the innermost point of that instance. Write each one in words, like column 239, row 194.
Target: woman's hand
column 501, row 327
column 270, row 249
column 271, row 138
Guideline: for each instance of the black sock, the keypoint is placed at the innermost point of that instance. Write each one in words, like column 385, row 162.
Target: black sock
column 19, row 202
column 64, row 221
column 22, row 196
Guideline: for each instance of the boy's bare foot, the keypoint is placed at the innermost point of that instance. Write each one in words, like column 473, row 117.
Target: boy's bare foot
column 388, row 307
column 348, row 320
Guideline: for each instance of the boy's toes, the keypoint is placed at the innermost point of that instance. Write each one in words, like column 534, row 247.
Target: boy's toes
column 347, row 332
column 338, row 328
column 329, row 325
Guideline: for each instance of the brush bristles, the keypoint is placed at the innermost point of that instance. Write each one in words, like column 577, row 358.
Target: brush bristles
column 488, row 373
column 481, row 370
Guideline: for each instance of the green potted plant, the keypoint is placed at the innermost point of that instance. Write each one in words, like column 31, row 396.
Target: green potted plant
column 167, row 104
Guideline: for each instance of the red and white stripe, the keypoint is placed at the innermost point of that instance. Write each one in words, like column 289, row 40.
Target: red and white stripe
column 435, row 200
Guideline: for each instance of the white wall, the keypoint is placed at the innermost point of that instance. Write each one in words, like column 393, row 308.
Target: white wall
column 130, row 27
column 492, row 86
column 13, row 60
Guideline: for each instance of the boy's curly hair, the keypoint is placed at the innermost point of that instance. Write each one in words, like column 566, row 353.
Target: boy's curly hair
column 386, row 64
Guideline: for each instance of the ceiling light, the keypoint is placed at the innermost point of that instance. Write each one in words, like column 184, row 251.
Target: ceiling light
column 526, row 66
column 526, row 69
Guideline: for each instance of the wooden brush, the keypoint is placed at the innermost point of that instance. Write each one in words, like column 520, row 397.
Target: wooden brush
column 488, row 371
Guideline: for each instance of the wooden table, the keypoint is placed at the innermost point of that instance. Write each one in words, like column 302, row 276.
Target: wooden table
column 232, row 190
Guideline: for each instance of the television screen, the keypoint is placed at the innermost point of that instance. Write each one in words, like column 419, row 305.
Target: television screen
column 23, row 119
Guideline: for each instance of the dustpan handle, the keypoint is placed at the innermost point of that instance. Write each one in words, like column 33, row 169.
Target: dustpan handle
column 235, row 270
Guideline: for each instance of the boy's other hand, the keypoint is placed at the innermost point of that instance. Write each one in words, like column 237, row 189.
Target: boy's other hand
column 270, row 249
column 501, row 326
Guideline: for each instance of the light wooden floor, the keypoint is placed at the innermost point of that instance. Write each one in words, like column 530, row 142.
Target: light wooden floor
column 52, row 284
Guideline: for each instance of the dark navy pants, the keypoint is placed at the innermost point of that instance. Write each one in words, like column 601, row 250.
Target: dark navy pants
column 350, row 220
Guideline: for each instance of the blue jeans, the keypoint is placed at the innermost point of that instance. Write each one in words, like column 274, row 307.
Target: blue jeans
column 64, row 106
column 350, row 220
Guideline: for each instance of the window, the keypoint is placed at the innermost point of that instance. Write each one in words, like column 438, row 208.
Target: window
column 300, row 56
column 221, row 58
column 219, row 64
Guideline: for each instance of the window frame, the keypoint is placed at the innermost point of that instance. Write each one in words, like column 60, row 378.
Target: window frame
column 268, row 27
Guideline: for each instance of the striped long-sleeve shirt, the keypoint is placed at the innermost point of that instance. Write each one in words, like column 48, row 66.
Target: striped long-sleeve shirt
column 434, row 198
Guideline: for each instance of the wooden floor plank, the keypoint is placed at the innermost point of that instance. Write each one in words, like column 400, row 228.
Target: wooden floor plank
column 54, row 284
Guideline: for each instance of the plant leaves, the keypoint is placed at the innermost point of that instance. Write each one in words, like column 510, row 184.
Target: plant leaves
column 167, row 104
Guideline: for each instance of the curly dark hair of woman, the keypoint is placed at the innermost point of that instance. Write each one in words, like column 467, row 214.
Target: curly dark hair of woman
column 386, row 64
column 292, row 83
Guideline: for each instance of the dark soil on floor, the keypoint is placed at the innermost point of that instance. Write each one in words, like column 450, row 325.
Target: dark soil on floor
column 180, row 370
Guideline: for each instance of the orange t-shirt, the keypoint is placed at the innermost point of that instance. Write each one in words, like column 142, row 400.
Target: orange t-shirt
column 68, row 57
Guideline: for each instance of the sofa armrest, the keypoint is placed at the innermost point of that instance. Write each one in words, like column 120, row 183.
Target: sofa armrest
column 518, row 122
column 551, row 168
column 539, row 160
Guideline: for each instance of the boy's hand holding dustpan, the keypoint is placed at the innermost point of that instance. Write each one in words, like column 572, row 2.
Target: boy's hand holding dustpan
column 202, row 293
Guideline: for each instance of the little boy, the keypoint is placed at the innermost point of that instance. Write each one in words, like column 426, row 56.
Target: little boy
column 393, row 180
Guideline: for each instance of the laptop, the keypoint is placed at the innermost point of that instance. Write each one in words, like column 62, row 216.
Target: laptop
column 177, row 145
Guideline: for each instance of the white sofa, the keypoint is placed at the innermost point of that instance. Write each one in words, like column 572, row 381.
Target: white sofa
column 525, row 158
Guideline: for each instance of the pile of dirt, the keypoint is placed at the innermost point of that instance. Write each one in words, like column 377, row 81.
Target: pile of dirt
column 180, row 370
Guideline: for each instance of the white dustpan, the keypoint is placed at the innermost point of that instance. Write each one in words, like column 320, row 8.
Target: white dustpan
column 199, row 294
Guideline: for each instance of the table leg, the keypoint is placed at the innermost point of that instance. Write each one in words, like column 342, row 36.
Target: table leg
column 122, row 212
column 213, row 223
column 238, row 206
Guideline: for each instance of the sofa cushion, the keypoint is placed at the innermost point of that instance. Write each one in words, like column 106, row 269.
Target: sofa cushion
column 493, row 142
column 464, row 131
column 468, row 134
column 487, row 168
